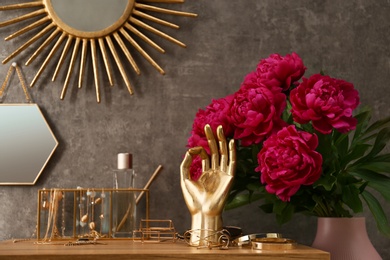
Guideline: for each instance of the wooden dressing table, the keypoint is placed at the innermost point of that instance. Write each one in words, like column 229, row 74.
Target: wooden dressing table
column 127, row 249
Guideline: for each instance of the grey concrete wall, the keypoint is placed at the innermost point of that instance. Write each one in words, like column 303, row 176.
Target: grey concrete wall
column 347, row 39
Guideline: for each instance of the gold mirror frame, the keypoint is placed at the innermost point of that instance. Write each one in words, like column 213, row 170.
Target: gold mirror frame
column 125, row 34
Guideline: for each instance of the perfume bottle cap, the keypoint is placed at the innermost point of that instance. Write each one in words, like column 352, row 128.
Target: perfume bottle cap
column 125, row 161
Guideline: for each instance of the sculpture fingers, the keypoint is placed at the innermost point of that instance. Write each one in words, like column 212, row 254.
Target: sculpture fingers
column 232, row 156
column 203, row 155
column 185, row 166
column 189, row 187
column 185, row 176
column 213, row 147
column 223, row 149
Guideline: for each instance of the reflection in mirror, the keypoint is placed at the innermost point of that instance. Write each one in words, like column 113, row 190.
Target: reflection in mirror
column 26, row 144
column 89, row 15
column 103, row 31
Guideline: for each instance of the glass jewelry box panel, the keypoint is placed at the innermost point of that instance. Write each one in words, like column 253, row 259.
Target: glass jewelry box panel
column 90, row 213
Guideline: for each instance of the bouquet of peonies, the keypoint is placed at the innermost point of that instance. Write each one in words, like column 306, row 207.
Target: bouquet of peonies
column 301, row 146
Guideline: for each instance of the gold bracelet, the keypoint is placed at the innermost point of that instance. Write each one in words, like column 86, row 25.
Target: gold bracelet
column 273, row 243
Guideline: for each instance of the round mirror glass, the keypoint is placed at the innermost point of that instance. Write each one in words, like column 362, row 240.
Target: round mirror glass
column 89, row 15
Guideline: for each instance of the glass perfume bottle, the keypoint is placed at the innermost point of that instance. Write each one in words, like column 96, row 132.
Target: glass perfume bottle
column 124, row 198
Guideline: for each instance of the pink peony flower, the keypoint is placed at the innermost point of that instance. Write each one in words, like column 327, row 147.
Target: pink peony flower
column 327, row 102
column 256, row 114
column 215, row 114
column 196, row 168
column 288, row 160
column 283, row 71
column 252, row 80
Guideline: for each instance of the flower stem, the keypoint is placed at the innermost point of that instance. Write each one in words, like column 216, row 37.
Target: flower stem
column 322, row 210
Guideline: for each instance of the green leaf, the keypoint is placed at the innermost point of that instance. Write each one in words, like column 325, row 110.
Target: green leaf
column 320, row 209
column 350, row 197
column 241, row 200
column 286, row 215
column 377, row 166
column 279, row 206
column 267, row 208
column 255, row 150
column 255, row 186
column 378, row 124
column 307, row 127
column 328, row 151
column 287, row 116
column 342, row 144
column 363, row 118
column 340, row 211
column 326, row 181
column 382, row 158
column 358, row 151
column 381, row 141
column 363, row 186
column 378, row 213
column 375, row 180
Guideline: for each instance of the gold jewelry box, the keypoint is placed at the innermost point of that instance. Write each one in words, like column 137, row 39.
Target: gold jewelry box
column 95, row 213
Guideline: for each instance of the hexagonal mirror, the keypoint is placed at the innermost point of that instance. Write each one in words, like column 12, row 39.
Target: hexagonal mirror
column 26, row 144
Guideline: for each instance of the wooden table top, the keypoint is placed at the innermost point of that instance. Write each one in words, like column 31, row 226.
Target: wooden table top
column 128, row 249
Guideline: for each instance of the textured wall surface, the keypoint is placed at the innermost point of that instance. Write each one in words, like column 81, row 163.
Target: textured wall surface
column 347, row 39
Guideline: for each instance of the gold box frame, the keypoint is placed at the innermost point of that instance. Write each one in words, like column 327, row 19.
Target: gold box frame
column 156, row 230
column 70, row 215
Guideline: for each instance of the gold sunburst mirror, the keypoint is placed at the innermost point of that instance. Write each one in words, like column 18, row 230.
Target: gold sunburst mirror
column 92, row 31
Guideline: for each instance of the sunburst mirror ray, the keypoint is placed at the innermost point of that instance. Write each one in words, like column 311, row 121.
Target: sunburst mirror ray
column 75, row 44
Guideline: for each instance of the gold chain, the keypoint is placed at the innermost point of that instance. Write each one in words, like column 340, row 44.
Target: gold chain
column 13, row 67
column 6, row 80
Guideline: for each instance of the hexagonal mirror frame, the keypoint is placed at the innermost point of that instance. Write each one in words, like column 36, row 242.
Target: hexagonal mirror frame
column 26, row 144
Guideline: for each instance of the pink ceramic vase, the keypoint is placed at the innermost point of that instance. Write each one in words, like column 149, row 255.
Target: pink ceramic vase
column 345, row 239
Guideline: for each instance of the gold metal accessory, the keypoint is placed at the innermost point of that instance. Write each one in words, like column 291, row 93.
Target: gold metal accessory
column 75, row 42
column 139, row 197
column 222, row 242
column 33, row 235
column 51, row 228
column 273, row 243
column 12, row 68
column 156, row 230
column 102, row 200
column 83, row 219
column 206, row 197
column 45, row 200
column 248, row 239
column 82, row 242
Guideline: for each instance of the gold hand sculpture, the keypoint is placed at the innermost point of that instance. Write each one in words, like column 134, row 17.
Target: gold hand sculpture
column 206, row 197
